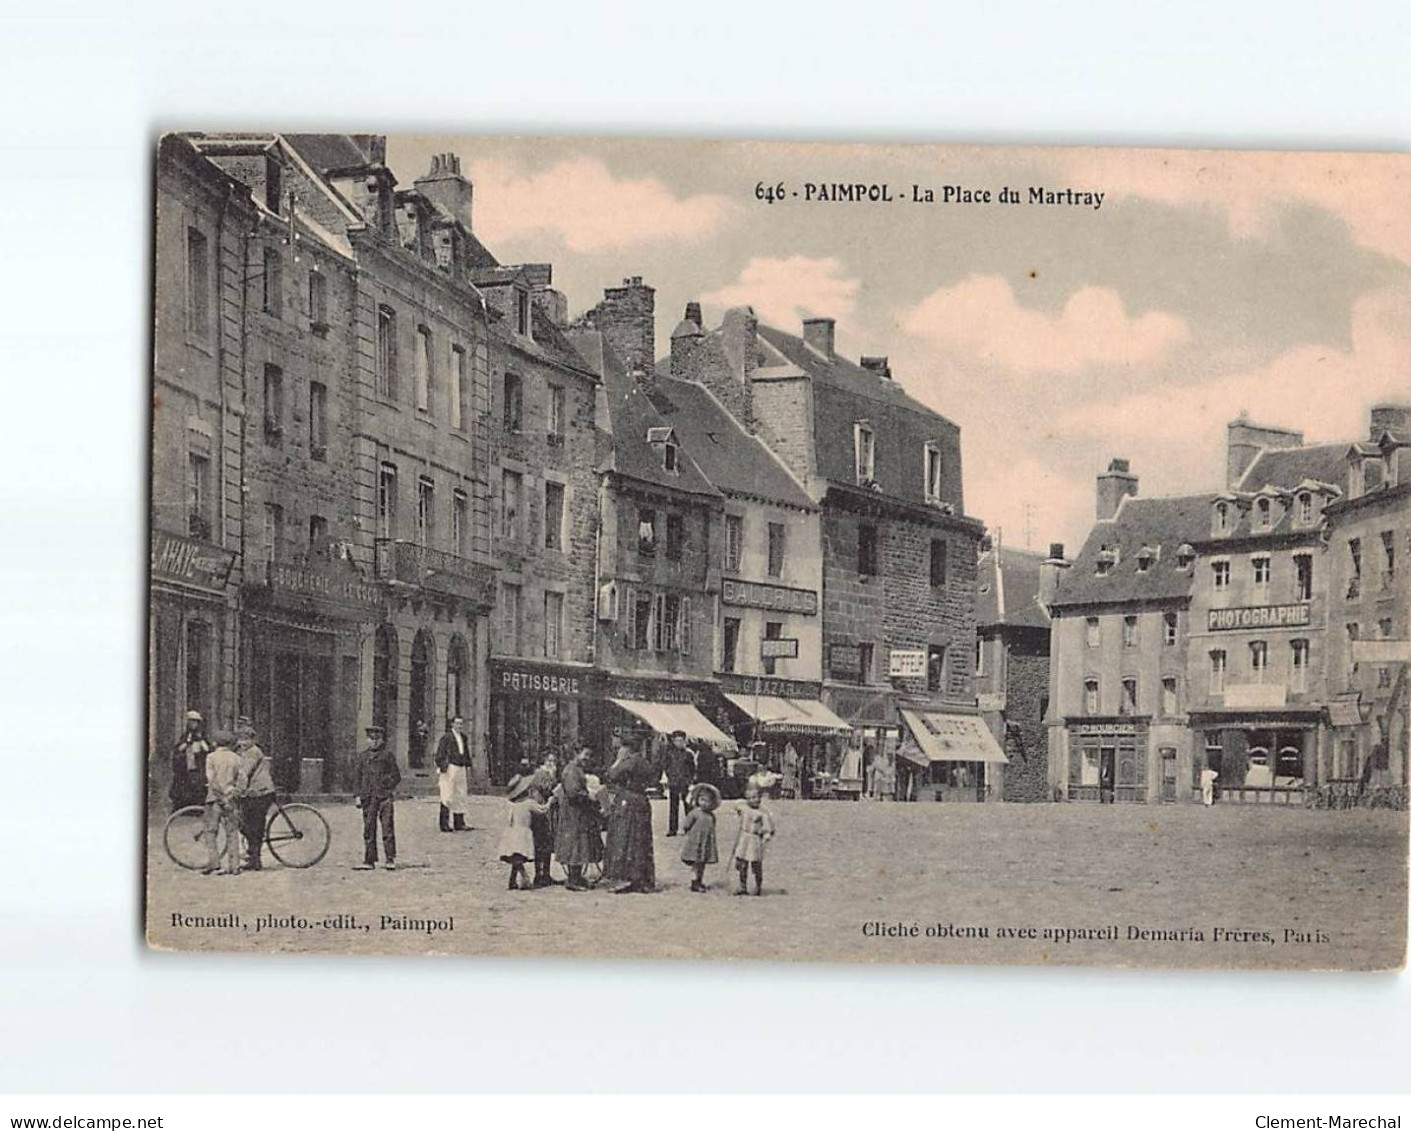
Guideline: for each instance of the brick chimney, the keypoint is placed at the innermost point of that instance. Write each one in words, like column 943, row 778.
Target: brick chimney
column 1245, row 440
column 818, row 335
column 444, row 185
column 1051, row 571
column 1113, row 486
column 878, row 365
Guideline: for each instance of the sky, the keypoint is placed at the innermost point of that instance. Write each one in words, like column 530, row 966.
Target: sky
column 1057, row 336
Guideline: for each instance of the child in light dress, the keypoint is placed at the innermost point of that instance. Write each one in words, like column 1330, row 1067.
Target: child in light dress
column 700, row 846
column 517, row 841
column 756, row 830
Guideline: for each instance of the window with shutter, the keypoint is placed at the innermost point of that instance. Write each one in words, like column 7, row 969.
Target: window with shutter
column 631, row 621
column 683, row 635
column 659, row 622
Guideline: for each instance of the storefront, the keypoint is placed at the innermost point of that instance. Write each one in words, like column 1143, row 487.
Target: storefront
column 803, row 740
column 1262, row 757
column 1108, row 760
column 537, row 708
column 189, row 665
column 947, row 757
column 871, row 714
column 302, row 669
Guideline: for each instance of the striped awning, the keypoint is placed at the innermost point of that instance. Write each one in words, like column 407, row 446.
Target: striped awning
column 950, row 738
column 789, row 716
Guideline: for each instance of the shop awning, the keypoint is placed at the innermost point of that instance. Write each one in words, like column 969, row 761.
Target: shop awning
column 789, row 716
column 665, row 718
column 949, row 738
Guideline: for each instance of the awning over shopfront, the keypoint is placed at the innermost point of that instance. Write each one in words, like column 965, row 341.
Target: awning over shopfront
column 949, row 738
column 789, row 716
column 665, row 718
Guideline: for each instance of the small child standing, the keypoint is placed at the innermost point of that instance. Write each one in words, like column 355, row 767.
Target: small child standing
column 700, row 847
column 517, row 841
column 756, row 830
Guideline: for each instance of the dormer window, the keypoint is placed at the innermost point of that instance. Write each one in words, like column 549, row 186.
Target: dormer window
column 1371, row 475
column 1305, row 508
column 1185, row 556
column 864, row 452
column 663, row 440
column 1263, row 514
column 668, row 457
column 1222, row 518
column 1106, row 559
column 1146, row 557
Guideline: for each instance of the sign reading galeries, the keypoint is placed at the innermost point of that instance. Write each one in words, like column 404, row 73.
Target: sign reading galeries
column 1259, row 616
column 758, row 595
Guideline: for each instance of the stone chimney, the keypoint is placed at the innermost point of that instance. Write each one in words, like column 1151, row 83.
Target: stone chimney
column 818, row 335
column 1245, row 440
column 627, row 320
column 1051, row 571
column 1389, row 417
column 1113, row 486
column 879, row 366
column 444, row 185
column 686, row 345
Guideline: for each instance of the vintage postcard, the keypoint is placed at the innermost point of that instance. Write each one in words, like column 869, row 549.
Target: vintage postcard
column 724, row 550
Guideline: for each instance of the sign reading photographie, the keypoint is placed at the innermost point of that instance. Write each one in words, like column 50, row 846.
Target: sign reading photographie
column 775, row 598
column 1260, row 616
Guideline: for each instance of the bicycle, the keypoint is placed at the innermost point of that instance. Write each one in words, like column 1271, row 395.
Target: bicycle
column 296, row 834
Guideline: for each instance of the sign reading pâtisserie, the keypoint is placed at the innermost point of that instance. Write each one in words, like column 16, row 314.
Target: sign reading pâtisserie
column 1259, row 616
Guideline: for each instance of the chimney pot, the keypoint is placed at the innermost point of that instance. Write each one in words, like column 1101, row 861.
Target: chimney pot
column 693, row 312
column 818, row 334
column 1055, row 551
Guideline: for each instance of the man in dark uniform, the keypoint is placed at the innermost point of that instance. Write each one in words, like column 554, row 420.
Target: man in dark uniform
column 680, row 775
column 376, row 781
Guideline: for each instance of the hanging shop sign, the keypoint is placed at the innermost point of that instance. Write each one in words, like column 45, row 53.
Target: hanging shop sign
column 190, row 563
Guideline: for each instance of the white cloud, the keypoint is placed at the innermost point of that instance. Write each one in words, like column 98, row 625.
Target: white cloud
column 979, row 317
column 579, row 200
column 1368, row 191
column 784, row 291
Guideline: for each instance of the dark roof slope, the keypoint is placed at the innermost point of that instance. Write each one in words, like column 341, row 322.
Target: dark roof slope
column 1161, row 524
column 1007, row 589
column 732, row 459
column 1286, row 468
column 327, row 151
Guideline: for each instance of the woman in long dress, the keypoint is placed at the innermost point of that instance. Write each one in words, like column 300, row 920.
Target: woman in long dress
column 578, row 840
column 630, row 864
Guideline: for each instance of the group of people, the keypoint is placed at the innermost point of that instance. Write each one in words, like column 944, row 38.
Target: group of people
column 231, row 777
column 581, row 821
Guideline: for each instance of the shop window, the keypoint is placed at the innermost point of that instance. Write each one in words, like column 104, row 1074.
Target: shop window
column 387, row 501
column 1129, row 697
column 318, row 420
column 1094, row 632
column 1303, row 577
column 734, row 541
column 675, row 535
column 386, row 353
column 867, row 549
column 553, row 625
column 1170, row 699
column 729, row 644
column 1170, row 625
column 198, row 283
column 1091, row 702
column 646, row 531
column 511, row 503
column 460, row 388
column 425, row 510
column 513, row 403
column 553, row 516
column 936, row 667
column 1091, row 771
column 510, row 619
column 425, row 375
column 1218, row 661
column 776, row 549
column 272, row 279
column 938, row 563
column 274, row 403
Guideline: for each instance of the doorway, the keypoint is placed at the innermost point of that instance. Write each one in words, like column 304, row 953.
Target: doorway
column 419, row 699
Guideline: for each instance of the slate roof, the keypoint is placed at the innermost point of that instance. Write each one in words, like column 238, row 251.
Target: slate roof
column 1007, row 589
column 632, row 413
column 1163, row 524
column 328, row 151
column 1286, row 468
column 732, row 459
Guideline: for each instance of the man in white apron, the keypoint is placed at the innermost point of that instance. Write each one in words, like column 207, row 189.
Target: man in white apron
column 452, row 778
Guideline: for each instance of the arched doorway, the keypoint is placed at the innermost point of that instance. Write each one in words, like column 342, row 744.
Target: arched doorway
column 384, row 677
column 457, row 672
column 419, row 698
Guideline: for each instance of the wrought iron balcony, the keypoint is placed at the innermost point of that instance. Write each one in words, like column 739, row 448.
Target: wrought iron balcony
column 437, row 571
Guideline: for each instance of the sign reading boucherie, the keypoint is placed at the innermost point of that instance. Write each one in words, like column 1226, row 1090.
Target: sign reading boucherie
column 330, row 583
column 192, row 563
column 757, row 595
column 1259, row 616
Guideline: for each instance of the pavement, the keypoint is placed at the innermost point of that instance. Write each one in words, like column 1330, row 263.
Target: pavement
column 1171, row 886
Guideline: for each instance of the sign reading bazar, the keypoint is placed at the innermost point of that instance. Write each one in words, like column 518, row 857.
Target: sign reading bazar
column 758, row 595
column 192, row 563
column 1259, row 616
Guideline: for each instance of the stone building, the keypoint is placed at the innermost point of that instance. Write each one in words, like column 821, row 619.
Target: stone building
column 204, row 221
column 899, row 554
column 1012, row 594
column 1117, row 725
column 1369, row 631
